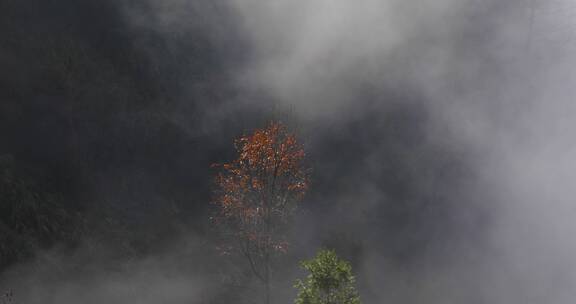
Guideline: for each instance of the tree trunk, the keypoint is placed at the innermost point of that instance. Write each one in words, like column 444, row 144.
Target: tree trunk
column 267, row 291
column 267, row 253
column 267, row 277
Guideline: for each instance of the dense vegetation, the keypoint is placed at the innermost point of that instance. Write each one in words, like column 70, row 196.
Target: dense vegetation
column 90, row 141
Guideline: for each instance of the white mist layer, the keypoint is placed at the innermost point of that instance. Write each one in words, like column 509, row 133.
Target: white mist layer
column 317, row 55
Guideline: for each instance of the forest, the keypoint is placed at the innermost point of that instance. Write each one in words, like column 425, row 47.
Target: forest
column 289, row 151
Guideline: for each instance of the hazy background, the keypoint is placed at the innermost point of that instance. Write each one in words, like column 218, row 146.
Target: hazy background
column 440, row 136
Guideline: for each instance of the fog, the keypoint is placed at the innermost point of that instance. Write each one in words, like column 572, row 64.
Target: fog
column 441, row 137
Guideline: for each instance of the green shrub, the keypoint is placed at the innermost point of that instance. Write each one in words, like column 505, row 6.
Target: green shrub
column 330, row 281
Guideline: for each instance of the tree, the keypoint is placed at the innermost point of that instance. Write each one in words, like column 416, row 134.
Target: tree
column 30, row 218
column 257, row 193
column 330, row 281
column 7, row 298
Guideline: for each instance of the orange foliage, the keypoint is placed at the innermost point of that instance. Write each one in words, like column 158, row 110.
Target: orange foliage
column 256, row 193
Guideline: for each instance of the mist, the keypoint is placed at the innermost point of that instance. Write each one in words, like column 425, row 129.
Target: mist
column 440, row 136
